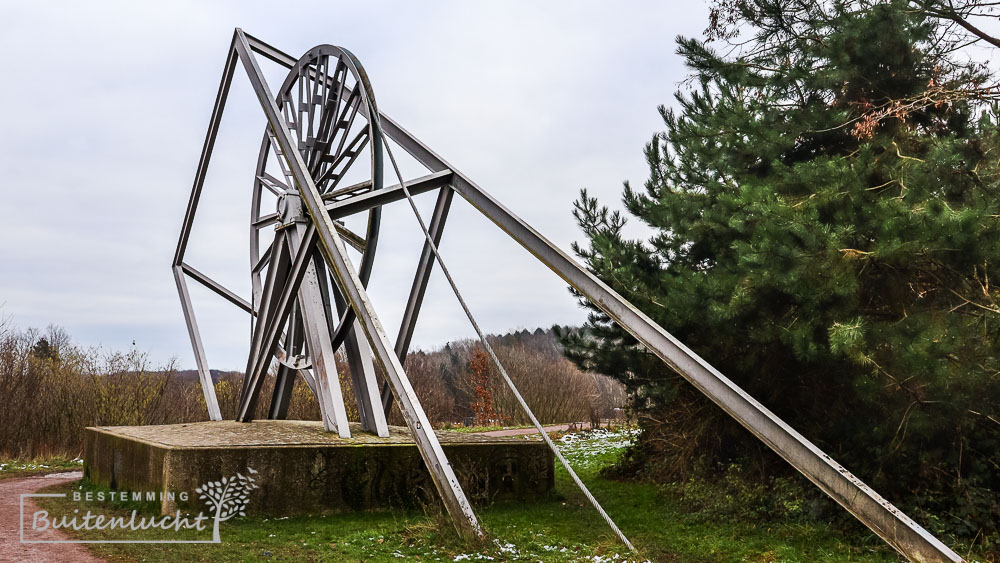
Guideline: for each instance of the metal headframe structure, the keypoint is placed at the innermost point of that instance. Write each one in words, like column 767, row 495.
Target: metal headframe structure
column 309, row 298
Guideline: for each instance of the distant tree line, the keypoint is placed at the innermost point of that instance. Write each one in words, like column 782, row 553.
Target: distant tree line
column 51, row 389
column 454, row 379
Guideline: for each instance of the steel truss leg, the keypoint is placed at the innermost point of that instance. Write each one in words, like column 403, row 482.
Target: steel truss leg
column 280, row 298
column 277, row 275
column 332, row 247
column 317, row 337
column 359, row 358
column 204, row 373
column 208, row 387
column 419, row 287
column 897, row 529
column 359, row 361
column 891, row 524
column 283, row 385
column 284, row 382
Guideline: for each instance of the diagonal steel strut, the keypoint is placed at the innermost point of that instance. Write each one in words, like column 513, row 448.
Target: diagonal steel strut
column 332, row 246
column 891, row 524
column 879, row 515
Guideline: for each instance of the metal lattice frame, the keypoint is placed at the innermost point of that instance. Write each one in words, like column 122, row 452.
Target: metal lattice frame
column 312, row 299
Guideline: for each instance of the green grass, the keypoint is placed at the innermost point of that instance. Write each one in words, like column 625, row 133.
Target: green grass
column 478, row 429
column 11, row 468
column 561, row 528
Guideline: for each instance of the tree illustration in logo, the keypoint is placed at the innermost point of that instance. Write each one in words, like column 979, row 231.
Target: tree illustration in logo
column 228, row 497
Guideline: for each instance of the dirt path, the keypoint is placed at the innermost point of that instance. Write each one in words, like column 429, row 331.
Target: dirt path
column 11, row 548
column 521, row 431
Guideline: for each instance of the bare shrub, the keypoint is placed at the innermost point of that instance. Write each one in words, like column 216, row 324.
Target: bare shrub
column 124, row 390
column 51, row 389
column 425, row 374
column 555, row 389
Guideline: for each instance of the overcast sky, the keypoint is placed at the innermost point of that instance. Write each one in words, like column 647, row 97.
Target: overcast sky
column 106, row 107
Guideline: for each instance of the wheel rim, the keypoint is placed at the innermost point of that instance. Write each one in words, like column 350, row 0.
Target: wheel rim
column 325, row 99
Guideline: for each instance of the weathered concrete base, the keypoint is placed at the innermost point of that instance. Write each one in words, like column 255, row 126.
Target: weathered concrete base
column 303, row 469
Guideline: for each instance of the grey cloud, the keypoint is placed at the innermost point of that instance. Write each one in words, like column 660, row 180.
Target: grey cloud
column 107, row 105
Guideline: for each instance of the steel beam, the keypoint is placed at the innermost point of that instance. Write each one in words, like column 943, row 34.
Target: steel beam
column 897, row 529
column 277, row 275
column 351, row 238
column 206, row 153
column 265, row 220
column 204, row 373
column 284, row 381
column 271, row 331
column 218, row 288
column 265, row 257
column 208, row 387
column 891, row 524
column 332, row 246
column 419, row 287
column 269, row 52
column 359, row 358
column 423, row 273
column 317, row 338
column 368, row 200
column 419, row 151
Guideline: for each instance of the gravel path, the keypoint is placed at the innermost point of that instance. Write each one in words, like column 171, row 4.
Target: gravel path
column 11, row 548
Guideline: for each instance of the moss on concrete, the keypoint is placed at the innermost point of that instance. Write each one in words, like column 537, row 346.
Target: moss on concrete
column 303, row 469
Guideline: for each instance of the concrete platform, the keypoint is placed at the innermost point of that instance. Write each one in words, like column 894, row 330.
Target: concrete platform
column 303, row 469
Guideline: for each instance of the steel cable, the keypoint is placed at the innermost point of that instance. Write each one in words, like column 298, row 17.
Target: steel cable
column 489, row 349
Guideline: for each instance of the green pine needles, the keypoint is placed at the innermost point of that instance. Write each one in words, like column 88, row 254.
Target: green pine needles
column 825, row 206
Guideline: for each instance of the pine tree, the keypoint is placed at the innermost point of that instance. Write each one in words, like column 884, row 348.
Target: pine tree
column 43, row 350
column 837, row 267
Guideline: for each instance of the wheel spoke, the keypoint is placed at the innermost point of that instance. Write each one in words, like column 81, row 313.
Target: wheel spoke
column 353, row 151
column 352, row 104
column 273, row 185
column 342, row 81
column 264, row 259
column 326, row 131
column 320, row 102
column 280, row 157
column 265, row 220
column 301, row 110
